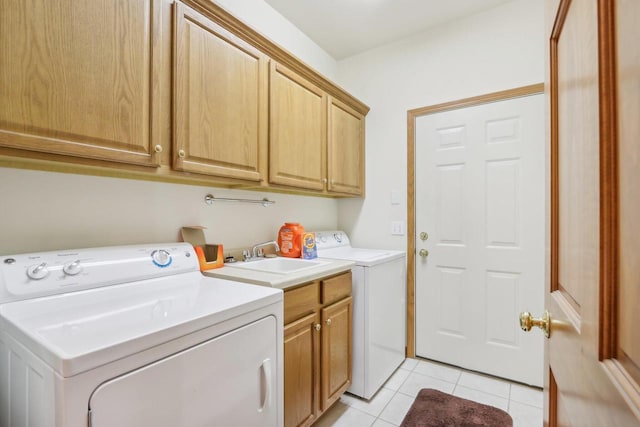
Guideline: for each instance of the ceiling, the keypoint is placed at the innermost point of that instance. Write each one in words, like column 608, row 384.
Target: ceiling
column 347, row 27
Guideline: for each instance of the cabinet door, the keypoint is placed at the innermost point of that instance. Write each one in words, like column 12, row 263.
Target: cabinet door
column 336, row 350
column 80, row 78
column 301, row 370
column 297, row 145
column 345, row 149
column 221, row 107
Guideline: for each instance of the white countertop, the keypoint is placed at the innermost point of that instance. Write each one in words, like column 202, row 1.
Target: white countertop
column 283, row 281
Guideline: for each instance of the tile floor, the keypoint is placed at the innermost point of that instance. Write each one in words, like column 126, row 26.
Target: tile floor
column 389, row 406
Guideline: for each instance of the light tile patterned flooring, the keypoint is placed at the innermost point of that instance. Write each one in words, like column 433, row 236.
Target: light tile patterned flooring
column 389, row 406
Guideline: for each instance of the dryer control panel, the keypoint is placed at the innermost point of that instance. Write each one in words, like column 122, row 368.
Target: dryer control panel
column 331, row 239
column 31, row 275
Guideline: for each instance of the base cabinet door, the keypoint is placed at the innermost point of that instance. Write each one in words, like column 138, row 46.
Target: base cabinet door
column 79, row 78
column 301, row 367
column 336, row 350
column 317, row 347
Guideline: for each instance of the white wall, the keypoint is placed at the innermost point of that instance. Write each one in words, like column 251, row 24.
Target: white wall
column 498, row 49
column 47, row 211
column 495, row 50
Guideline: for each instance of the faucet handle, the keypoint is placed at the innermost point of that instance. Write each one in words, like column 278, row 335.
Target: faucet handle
column 246, row 254
column 260, row 252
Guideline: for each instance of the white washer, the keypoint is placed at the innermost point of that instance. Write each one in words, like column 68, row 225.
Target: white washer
column 135, row 336
column 379, row 309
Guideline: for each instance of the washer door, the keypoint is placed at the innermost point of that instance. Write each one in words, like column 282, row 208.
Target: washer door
column 228, row 380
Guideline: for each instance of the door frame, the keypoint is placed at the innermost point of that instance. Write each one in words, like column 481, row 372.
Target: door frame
column 412, row 115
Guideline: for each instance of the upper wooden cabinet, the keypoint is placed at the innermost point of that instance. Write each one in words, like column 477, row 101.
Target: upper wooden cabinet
column 79, row 78
column 297, row 144
column 220, row 95
column 179, row 85
column 316, row 141
column 345, row 149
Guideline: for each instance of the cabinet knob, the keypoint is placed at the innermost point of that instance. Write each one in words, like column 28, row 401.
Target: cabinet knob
column 317, row 327
column 324, row 180
column 328, row 322
column 158, row 148
column 181, row 154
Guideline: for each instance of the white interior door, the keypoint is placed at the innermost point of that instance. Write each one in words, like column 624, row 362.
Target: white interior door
column 480, row 198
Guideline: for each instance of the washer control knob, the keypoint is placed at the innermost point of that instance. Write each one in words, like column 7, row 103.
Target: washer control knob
column 161, row 258
column 38, row 271
column 72, row 268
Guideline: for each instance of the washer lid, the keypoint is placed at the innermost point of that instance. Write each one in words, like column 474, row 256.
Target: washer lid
column 362, row 257
column 79, row 331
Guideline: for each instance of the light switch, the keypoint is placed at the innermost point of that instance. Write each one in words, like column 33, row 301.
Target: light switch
column 396, row 197
column 397, row 228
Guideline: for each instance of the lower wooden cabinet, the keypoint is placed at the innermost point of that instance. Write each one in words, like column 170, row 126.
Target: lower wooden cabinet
column 336, row 351
column 301, row 355
column 317, row 347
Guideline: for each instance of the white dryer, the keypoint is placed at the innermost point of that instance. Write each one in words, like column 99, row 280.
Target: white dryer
column 135, row 336
column 379, row 309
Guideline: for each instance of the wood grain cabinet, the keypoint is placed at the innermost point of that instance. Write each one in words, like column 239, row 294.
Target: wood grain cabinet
column 345, row 158
column 220, row 95
column 301, row 355
column 80, row 78
column 105, row 87
column 298, row 142
column 317, row 347
column 316, row 141
column 336, row 351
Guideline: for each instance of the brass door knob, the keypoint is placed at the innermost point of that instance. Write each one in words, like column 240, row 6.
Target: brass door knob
column 424, row 236
column 317, row 326
column 423, row 253
column 527, row 322
column 328, row 322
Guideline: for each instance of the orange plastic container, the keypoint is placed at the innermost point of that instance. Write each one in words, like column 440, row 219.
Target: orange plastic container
column 290, row 239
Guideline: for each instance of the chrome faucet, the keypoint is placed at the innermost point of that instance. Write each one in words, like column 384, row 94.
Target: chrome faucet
column 256, row 251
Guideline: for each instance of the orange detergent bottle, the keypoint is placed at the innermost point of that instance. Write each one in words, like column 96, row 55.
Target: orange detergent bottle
column 290, row 239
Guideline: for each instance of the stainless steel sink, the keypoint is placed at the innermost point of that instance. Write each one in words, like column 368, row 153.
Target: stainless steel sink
column 278, row 265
